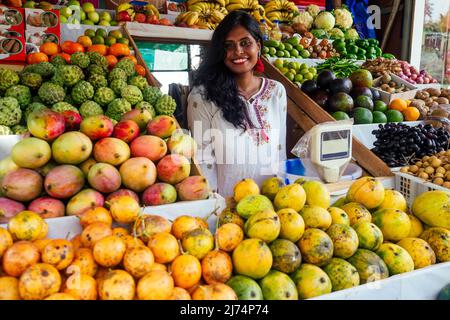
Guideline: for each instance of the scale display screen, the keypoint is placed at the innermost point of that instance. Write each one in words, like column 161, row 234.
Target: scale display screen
column 335, row 145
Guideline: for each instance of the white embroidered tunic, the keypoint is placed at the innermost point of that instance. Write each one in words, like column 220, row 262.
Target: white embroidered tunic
column 228, row 154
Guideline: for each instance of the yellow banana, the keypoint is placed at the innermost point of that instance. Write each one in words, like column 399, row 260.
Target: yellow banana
column 192, row 2
column 192, row 18
column 217, row 16
column 223, row 10
column 124, row 7
column 236, row 1
column 221, row 3
column 235, row 6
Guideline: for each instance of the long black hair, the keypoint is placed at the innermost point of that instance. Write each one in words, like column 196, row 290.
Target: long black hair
column 219, row 82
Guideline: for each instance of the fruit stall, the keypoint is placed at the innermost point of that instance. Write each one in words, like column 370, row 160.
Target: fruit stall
column 101, row 191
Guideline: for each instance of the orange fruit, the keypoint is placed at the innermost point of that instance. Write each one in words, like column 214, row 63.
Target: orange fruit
column 71, row 47
column 112, row 60
column 119, row 50
column 398, row 104
column 76, row 242
column 100, row 48
column 120, row 232
column 183, row 224
column 132, row 58
column 49, row 48
column 19, row 257
column 180, row 294
column 98, row 214
column 411, row 114
column 85, row 41
column 155, row 285
column 64, row 55
column 186, row 271
column 109, row 251
column 82, row 287
column 95, row 232
column 164, row 246
column 83, row 263
column 37, row 57
column 58, row 253
column 140, row 70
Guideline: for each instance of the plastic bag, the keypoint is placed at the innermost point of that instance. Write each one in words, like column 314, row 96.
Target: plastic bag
column 359, row 10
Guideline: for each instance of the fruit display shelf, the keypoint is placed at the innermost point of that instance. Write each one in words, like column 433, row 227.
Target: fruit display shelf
column 308, row 62
column 73, row 31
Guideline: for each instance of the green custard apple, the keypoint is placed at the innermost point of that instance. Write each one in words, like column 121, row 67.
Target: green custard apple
column 82, row 92
column 58, row 61
column 118, row 73
column 98, row 81
column 31, row 80
column 45, row 69
column 151, row 95
column 80, row 59
column 117, row 85
column 5, row 131
column 103, row 96
column 63, row 106
column 96, row 69
column 21, row 93
column 97, row 59
column 90, row 108
column 127, row 65
column 132, row 94
column 34, row 106
column 138, row 81
column 10, row 113
column 51, row 93
column 8, row 78
column 165, row 105
column 144, row 105
column 117, row 108
column 19, row 129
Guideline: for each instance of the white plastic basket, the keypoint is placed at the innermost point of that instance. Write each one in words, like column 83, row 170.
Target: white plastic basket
column 411, row 187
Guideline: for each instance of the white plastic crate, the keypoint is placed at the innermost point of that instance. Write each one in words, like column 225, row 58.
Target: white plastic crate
column 411, row 187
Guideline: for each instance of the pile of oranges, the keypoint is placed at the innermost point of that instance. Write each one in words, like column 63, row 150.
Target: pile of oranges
column 113, row 53
column 409, row 113
column 153, row 259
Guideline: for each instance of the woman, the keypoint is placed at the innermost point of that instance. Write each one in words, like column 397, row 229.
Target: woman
column 237, row 119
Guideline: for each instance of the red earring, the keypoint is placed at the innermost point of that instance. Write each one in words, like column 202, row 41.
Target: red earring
column 259, row 66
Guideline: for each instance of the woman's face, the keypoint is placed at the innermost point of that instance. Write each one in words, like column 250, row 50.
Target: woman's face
column 241, row 50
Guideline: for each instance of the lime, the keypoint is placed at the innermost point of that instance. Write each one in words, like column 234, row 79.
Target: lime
column 124, row 41
column 313, row 70
column 90, row 33
column 295, row 53
column 265, row 50
column 278, row 64
column 288, row 46
column 284, row 70
column 308, row 76
column 362, row 116
column 280, row 53
column 290, row 76
column 298, row 78
column 364, row 102
column 299, row 47
column 281, row 46
column 287, row 54
column 116, row 34
column 394, row 116
column 101, row 33
column 379, row 117
column 380, row 106
column 340, row 115
column 272, row 51
column 305, row 54
column 292, row 70
column 98, row 40
column 109, row 41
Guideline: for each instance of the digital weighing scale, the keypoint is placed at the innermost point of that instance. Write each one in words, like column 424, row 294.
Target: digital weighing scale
column 331, row 149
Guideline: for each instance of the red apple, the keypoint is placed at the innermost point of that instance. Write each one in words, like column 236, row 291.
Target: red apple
column 126, row 130
column 139, row 17
column 72, row 120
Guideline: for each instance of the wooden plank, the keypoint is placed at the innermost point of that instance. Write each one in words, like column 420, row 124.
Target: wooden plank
column 309, row 114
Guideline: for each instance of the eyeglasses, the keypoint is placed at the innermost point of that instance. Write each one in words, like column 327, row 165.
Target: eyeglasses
column 232, row 46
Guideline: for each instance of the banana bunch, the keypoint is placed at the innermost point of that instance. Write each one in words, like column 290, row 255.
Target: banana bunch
column 281, row 10
column 151, row 9
column 205, row 15
column 221, row 3
column 126, row 7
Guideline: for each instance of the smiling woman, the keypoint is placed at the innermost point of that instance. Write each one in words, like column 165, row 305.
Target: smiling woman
column 237, row 118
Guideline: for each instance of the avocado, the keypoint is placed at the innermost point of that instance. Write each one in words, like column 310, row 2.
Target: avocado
column 362, row 91
column 361, row 78
column 362, row 116
column 324, row 78
column 364, row 102
column 341, row 101
column 320, row 97
column 309, row 86
column 340, row 85
column 376, row 94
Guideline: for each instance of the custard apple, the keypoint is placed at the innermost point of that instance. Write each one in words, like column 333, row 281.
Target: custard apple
column 118, row 73
column 70, row 74
column 82, row 92
column 132, row 94
column 8, row 78
column 58, row 61
column 70, row 100
column 104, row 96
column 127, row 65
column 31, row 80
column 138, row 81
column 18, row 129
column 144, row 105
column 98, row 81
column 45, row 69
column 151, row 95
column 80, row 59
column 10, row 113
column 58, row 77
column 96, row 69
column 51, row 93
column 21, row 93
column 165, row 105
column 117, row 108
column 97, row 59
column 90, row 108
column 63, row 106
column 117, row 86
column 5, row 131
column 34, row 106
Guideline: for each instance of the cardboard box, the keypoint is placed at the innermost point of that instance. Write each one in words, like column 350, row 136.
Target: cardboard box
column 12, row 34
column 388, row 97
column 42, row 26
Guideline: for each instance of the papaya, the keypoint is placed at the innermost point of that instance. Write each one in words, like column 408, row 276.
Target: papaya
column 356, row 212
column 264, row 225
column 396, row 258
column 278, row 286
column 416, row 227
column 419, row 250
column 311, row 281
column 342, row 274
column 394, row 224
column 292, row 224
column 433, row 208
column 243, row 188
column 246, row 288
column 316, row 217
column 286, row 256
column 369, row 265
column 338, row 216
column 292, row 196
column 345, row 240
column 252, row 258
column 271, row 186
column 339, row 203
column 370, row 236
column 367, row 191
column 252, row 204
column 393, row 200
column 316, row 247
column 439, row 240
column 316, row 194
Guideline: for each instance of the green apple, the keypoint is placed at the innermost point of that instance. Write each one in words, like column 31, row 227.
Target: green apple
column 65, row 12
column 73, row 3
column 94, row 17
column 88, row 7
column 63, row 19
column 89, row 22
column 82, row 15
column 104, row 23
column 105, row 16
